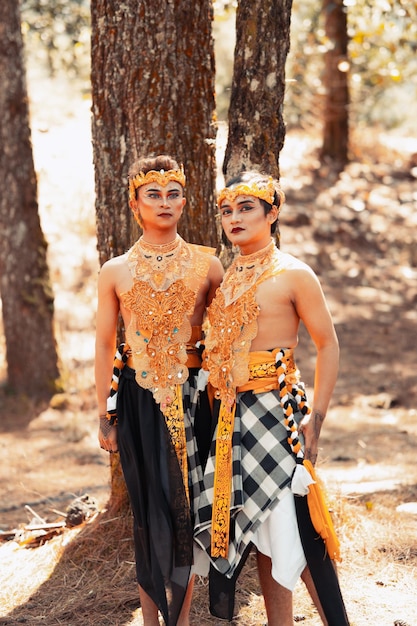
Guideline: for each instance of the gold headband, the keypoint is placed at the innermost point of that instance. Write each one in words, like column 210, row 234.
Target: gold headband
column 266, row 193
column 163, row 177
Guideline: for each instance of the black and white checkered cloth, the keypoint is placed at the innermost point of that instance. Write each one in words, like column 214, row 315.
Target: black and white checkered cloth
column 190, row 397
column 263, row 465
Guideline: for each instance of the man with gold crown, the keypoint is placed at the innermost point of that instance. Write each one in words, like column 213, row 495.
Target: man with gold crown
column 266, row 442
column 161, row 287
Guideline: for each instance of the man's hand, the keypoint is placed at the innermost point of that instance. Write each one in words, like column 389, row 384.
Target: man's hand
column 107, row 435
column 310, row 427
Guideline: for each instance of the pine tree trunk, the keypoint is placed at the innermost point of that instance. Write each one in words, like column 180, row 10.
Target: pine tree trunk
column 153, row 93
column 256, row 125
column 27, row 300
column 336, row 112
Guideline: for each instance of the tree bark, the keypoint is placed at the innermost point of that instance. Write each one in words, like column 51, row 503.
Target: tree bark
column 153, row 93
column 256, row 125
column 336, row 108
column 27, row 299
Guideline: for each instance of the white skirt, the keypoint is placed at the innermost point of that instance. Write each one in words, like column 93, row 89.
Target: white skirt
column 279, row 539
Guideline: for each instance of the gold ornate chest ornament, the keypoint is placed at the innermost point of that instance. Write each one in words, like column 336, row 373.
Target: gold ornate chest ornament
column 166, row 279
column 232, row 319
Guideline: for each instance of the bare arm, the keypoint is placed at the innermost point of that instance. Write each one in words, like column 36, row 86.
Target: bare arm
column 106, row 324
column 313, row 311
column 215, row 276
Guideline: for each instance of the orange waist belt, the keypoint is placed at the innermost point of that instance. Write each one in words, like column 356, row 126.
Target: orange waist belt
column 263, row 373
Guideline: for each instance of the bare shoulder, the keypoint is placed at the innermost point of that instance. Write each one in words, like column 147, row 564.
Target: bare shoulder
column 292, row 264
column 216, row 265
column 114, row 264
column 215, row 273
column 114, row 272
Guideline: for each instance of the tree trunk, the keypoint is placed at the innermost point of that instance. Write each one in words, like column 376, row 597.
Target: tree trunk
column 153, row 93
column 336, row 113
column 27, row 300
column 256, row 126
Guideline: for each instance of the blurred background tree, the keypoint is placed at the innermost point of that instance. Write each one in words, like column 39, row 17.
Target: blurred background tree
column 383, row 64
column 59, row 31
column 381, row 54
column 381, row 49
column 335, row 141
column 25, row 286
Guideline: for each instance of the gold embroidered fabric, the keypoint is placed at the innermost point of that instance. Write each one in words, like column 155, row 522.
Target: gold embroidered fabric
column 232, row 319
column 174, row 418
column 263, row 371
column 166, row 280
column 220, row 520
column 245, row 270
column 228, row 342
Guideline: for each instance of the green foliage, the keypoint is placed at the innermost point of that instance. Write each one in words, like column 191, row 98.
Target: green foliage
column 382, row 51
column 382, row 55
column 62, row 28
column 382, row 62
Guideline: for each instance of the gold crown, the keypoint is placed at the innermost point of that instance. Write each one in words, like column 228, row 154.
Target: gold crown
column 162, row 177
column 266, row 193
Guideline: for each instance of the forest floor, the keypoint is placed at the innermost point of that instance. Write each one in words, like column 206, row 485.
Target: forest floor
column 357, row 231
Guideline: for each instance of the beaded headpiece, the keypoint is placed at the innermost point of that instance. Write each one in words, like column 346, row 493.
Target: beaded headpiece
column 162, row 177
column 266, row 192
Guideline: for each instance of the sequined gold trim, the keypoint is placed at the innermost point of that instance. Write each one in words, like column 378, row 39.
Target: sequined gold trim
column 222, row 483
column 245, row 271
column 263, row 371
column 228, row 342
column 232, row 319
column 163, row 177
column 174, row 418
column 158, row 339
column 166, row 283
column 266, row 192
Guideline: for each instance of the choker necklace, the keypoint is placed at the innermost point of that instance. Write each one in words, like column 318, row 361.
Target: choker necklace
column 159, row 251
column 158, row 264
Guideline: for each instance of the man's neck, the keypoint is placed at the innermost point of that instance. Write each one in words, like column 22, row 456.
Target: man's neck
column 254, row 246
column 158, row 237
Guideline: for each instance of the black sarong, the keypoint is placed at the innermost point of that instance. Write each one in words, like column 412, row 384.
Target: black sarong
column 163, row 518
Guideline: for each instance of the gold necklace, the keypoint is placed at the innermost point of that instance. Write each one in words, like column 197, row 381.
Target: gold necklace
column 245, row 271
column 159, row 254
column 159, row 264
